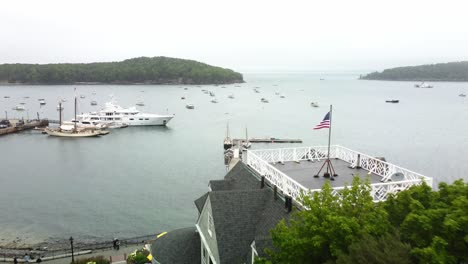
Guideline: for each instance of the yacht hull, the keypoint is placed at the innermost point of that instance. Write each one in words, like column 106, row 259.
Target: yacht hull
column 55, row 133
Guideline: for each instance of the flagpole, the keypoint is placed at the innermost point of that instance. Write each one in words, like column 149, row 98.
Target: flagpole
column 329, row 133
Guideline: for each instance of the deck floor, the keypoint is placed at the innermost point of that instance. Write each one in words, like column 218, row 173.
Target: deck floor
column 304, row 172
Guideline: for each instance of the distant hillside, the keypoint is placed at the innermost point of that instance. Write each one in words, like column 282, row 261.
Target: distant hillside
column 451, row 72
column 156, row 70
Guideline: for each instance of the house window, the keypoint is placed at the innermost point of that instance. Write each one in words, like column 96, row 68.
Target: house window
column 210, row 224
column 131, row 118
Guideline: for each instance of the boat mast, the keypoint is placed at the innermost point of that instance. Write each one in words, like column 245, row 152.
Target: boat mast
column 60, row 113
column 75, row 114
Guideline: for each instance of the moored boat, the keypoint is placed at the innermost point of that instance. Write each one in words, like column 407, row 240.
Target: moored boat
column 72, row 130
column 19, row 107
column 392, row 101
column 227, row 143
column 112, row 112
column 423, row 85
column 190, row 106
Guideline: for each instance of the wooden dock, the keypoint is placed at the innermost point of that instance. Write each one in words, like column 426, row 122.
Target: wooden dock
column 17, row 126
column 269, row 140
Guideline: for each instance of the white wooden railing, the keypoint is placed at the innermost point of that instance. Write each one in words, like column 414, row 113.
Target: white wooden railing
column 261, row 161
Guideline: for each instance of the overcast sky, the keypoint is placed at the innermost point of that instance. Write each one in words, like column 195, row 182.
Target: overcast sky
column 243, row 35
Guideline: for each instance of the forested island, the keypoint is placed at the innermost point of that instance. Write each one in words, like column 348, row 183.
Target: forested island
column 448, row 72
column 143, row 70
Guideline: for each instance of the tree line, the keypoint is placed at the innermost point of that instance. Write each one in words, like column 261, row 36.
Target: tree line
column 418, row 225
column 452, row 71
column 155, row 70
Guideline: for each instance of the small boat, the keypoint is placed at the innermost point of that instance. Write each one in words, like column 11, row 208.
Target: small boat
column 42, row 101
column 19, row 107
column 277, row 93
column 6, row 96
column 212, row 94
column 231, row 96
column 256, row 90
column 93, row 102
column 190, row 106
column 185, row 88
column 183, row 98
column 246, row 144
column 423, row 85
column 227, row 144
column 26, row 97
column 462, row 95
column 282, row 96
column 63, row 100
column 392, row 101
column 214, row 100
column 264, row 100
column 314, row 104
column 140, row 103
column 82, row 96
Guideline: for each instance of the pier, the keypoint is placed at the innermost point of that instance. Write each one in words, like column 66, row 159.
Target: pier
column 268, row 140
column 17, row 125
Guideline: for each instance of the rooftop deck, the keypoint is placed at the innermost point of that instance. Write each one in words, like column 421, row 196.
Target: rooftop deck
column 304, row 171
column 292, row 170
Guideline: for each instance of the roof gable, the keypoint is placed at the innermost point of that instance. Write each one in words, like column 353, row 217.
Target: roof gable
column 235, row 215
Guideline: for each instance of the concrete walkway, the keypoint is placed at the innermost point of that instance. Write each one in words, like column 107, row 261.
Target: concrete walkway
column 117, row 255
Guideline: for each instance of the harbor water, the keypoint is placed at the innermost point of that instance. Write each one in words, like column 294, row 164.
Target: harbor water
column 143, row 180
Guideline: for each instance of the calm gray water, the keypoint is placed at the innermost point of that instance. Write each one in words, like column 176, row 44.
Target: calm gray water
column 142, row 180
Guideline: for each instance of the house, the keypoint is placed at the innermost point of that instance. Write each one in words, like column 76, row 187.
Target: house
column 237, row 214
column 235, row 218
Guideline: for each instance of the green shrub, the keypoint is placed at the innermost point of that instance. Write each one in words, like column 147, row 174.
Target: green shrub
column 139, row 256
column 93, row 260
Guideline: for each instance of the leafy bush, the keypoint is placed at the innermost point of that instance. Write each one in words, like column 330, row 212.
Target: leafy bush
column 93, row 260
column 139, row 256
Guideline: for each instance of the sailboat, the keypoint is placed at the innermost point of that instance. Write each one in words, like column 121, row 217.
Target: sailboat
column 246, row 144
column 70, row 130
column 227, row 141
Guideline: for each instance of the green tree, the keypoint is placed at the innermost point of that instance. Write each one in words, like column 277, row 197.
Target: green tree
column 434, row 223
column 331, row 223
column 386, row 249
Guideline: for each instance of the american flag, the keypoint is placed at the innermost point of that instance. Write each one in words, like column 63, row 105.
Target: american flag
column 325, row 122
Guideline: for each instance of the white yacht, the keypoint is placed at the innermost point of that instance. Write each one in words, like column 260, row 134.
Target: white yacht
column 113, row 113
column 19, row 107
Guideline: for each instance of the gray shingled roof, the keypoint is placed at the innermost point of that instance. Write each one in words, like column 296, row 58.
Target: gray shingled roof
column 200, row 202
column 178, row 246
column 242, row 213
column 235, row 214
